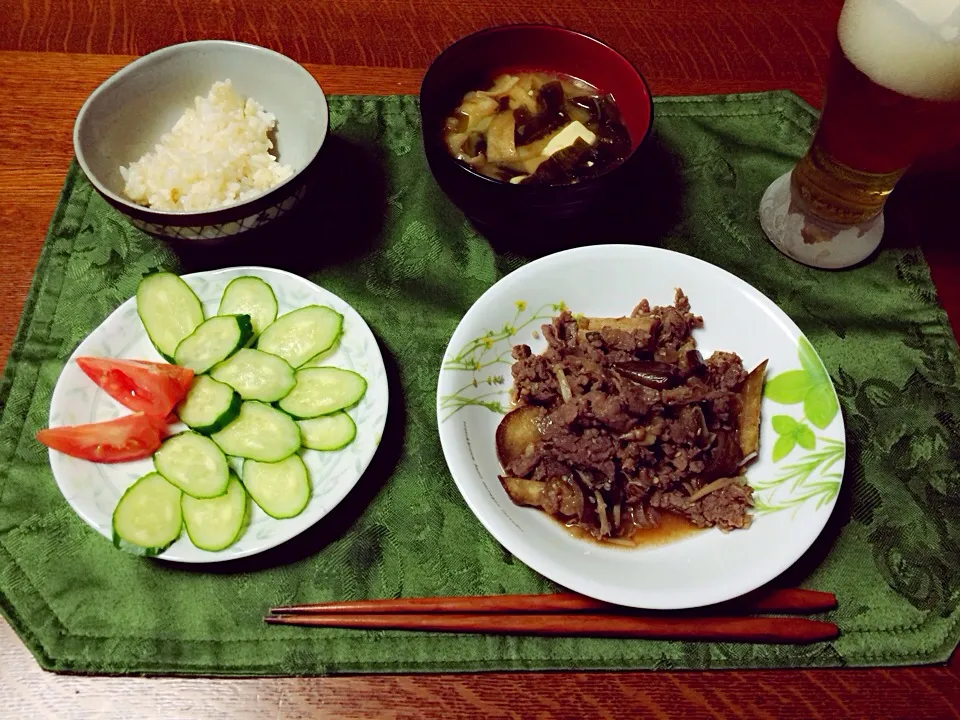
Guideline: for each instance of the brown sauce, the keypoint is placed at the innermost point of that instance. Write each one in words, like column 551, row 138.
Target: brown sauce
column 671, row 528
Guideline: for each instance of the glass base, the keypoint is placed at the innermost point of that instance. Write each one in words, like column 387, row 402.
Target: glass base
column 809, row 240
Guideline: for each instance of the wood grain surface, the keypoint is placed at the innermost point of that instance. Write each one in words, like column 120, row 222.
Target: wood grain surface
column 712, row 40
column 28, row 692
column 54, row 52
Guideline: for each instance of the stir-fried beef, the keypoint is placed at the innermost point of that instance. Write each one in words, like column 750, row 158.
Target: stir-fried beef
column 634, row 422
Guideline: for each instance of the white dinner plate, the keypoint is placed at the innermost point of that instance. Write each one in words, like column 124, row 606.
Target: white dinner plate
column 93, row 489
column 796, row 477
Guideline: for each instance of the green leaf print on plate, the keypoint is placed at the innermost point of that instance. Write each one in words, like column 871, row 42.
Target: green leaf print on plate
column 491, row 348
column 811, row 386
column 791, row 433
column 808, row 478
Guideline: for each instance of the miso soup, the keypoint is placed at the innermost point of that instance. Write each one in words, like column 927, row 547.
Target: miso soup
column 538, row 128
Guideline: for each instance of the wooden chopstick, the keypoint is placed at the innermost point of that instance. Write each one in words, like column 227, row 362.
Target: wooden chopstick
column 787, row 600
column 727, row 629
column 573, row 615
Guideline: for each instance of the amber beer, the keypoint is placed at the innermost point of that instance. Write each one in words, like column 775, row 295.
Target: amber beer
column 893, row 94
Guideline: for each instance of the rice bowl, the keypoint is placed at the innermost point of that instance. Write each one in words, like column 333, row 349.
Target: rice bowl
column 127, row 116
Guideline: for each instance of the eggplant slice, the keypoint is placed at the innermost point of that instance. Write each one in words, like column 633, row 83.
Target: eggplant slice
column 751, row 396
column 518, row 432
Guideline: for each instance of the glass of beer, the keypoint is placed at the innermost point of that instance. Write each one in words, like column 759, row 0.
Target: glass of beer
column 892, row 95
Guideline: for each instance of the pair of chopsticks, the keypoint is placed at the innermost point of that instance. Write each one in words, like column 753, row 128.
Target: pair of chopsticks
column 573, row 615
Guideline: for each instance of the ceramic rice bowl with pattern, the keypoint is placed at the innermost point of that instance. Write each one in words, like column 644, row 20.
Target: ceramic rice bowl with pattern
column 125, row 117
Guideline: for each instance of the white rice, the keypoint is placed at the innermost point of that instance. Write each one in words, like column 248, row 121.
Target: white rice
column 218, row 153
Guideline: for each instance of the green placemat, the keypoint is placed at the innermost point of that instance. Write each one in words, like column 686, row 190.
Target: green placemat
column 382, row 236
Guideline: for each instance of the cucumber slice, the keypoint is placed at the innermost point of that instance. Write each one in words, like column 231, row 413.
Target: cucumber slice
column 328, row 432
column 147, row 520
column 214, row 341
column 301, row 334
column 321, row 391
column 194, row 463
column 260, row 432
column 323, row 358
column 169, row 311
column 249, row 295
column 209, row 405
column 281, row 489
column 216, row 523
column 256, row 375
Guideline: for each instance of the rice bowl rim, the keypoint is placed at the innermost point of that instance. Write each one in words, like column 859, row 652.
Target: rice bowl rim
column 222, row 213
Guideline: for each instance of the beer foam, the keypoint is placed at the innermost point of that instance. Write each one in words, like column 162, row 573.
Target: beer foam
column 909, row 46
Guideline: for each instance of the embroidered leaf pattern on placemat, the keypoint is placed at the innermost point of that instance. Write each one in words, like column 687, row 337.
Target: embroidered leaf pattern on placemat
column 383, row 237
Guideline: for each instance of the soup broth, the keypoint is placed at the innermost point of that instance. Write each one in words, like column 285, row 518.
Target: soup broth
column 538, row 128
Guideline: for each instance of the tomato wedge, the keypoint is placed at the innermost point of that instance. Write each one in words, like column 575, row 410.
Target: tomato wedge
column 130, row 437
column 140, row 385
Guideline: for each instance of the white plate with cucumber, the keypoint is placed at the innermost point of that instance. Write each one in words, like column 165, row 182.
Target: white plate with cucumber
column 285, row 413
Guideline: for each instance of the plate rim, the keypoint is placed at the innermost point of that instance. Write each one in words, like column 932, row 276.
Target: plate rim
column 583, row 584
column 212, row 557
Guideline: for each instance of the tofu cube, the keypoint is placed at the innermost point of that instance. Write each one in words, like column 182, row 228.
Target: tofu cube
column 568, row 136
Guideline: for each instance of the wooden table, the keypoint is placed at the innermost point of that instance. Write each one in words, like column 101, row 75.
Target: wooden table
column 52, row 54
